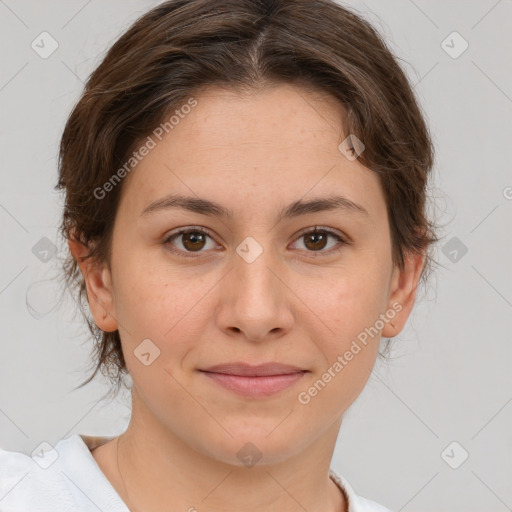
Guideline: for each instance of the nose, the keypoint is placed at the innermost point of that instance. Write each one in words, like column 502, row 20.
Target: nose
column 256, row 302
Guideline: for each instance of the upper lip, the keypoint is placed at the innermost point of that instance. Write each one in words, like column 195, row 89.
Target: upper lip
column 246, row 370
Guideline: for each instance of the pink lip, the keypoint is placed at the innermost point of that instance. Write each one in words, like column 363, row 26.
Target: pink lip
column 255, row 381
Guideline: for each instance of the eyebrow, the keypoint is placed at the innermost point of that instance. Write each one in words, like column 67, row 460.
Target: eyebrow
column 295, row 209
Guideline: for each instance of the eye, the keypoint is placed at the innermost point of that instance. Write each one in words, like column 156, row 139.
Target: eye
column 316, row 240
column 193, row 239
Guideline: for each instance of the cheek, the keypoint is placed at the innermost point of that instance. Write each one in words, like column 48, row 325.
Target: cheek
column 155, row 299
column 354, row 301
column 166, row 307
column 352, row 309
column 349, row 346
column 333, row 391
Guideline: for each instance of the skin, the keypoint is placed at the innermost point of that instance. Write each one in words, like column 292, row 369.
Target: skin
column 254, row 154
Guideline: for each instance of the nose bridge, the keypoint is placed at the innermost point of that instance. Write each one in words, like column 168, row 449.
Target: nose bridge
column 256, row 302
column 252, row 268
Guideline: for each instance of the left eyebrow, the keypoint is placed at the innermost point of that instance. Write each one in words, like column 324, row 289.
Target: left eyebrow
column 295, row 209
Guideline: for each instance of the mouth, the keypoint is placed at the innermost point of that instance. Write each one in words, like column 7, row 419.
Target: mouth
column 254, row 381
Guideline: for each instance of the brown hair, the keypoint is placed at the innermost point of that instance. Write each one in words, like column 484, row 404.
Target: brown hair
column 183, row 46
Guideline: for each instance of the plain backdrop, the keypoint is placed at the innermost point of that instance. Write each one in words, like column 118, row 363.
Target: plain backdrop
column 431, row 430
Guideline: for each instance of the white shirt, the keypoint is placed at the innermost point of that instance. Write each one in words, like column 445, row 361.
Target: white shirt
column 66, row 478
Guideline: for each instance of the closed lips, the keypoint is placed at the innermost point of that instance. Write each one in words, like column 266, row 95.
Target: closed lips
column 245, row 370
column 254, row 382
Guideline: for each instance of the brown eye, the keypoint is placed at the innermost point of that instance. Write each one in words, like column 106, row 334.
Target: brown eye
column 194, row 241
column 317, row 240
column 191, row 241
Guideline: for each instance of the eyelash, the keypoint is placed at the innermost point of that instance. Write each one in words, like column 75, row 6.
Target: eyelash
column 196, row 229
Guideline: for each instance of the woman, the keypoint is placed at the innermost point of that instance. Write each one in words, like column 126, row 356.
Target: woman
column 245, row 187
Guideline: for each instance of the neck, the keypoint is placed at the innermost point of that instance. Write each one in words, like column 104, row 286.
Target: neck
column 157, row 470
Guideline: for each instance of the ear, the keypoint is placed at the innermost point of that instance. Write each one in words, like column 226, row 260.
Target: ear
column 98, row 280
column 404, row 284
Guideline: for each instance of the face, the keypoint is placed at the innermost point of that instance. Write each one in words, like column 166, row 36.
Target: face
column 256, row 285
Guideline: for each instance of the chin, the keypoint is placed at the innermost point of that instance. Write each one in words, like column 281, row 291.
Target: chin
column 254, row 445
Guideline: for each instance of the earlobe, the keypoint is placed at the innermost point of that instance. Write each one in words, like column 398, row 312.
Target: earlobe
column 98, row 282
column 403, row 289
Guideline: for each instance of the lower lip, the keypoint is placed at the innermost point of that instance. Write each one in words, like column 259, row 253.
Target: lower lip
column 255, row 387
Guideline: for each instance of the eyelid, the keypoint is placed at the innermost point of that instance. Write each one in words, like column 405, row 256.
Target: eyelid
column 187, row 229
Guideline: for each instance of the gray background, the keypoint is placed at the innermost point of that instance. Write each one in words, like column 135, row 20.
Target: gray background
column 450, row 378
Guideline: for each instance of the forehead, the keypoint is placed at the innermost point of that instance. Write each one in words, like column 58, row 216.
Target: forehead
column 280, row 142
column 276, row 115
